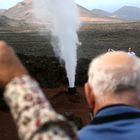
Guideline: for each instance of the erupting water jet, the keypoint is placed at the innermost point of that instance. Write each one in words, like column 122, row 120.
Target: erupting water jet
column 65, row 21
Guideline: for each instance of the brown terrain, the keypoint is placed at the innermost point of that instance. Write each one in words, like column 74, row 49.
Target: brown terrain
column 23, row 11
column 97, row 34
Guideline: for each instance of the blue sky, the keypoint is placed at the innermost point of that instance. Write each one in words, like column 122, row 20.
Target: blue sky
column 4, row 4
column 108, row 5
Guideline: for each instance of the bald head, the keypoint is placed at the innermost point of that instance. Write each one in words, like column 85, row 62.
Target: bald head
column 114, row 71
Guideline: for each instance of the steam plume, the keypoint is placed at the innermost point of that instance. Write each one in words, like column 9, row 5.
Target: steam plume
column 65, row 23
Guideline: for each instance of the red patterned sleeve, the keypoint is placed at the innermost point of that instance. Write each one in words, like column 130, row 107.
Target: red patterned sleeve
column 33, row 114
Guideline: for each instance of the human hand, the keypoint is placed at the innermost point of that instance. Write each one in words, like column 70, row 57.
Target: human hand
column 10, row 65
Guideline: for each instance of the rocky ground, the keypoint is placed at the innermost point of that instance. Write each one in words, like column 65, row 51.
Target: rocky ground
column 37, row 55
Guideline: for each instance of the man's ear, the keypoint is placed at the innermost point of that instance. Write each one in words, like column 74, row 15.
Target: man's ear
column 89, row 95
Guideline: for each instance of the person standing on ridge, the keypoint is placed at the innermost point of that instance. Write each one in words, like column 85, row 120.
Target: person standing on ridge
column 131, row 52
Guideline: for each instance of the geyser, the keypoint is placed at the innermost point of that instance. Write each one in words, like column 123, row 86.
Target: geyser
column 65, row 23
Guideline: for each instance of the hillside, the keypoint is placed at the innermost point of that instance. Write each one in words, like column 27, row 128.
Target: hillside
column 100, row 12
column 126, row 13
column 23, row 11
column 85, row 12
column 5, row 22
column 92, row 17
column 129, row 13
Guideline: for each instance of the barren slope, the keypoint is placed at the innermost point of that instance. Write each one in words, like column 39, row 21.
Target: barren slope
column 23, row 10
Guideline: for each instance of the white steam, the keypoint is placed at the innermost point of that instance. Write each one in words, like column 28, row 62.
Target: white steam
column 65, row 23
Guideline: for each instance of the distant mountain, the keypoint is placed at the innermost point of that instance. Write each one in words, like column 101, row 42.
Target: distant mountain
column 101, row 13
column 91, row 16
column 23, row 11
column 129, row 13
column 85, row 12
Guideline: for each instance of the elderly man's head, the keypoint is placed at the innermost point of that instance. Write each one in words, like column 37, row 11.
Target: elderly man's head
column 111, row 77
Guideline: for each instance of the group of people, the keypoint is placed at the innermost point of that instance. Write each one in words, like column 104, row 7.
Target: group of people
column 112, row 91
column 130, row 51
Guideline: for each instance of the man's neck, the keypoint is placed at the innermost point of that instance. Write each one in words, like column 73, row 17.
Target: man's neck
column 127, row 98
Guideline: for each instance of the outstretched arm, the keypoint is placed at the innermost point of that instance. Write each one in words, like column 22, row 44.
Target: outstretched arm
column 32, row 112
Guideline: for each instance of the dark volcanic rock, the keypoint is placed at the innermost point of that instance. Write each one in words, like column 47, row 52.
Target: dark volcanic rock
column 49, row 72
column 72, row 117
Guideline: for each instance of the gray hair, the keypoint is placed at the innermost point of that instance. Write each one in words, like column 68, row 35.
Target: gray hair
column 107, row 79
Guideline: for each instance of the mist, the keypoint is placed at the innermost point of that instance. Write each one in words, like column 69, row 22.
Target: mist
column 65, row 22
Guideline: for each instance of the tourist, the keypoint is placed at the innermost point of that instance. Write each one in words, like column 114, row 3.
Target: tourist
column 131, row 52
column 113, row 93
